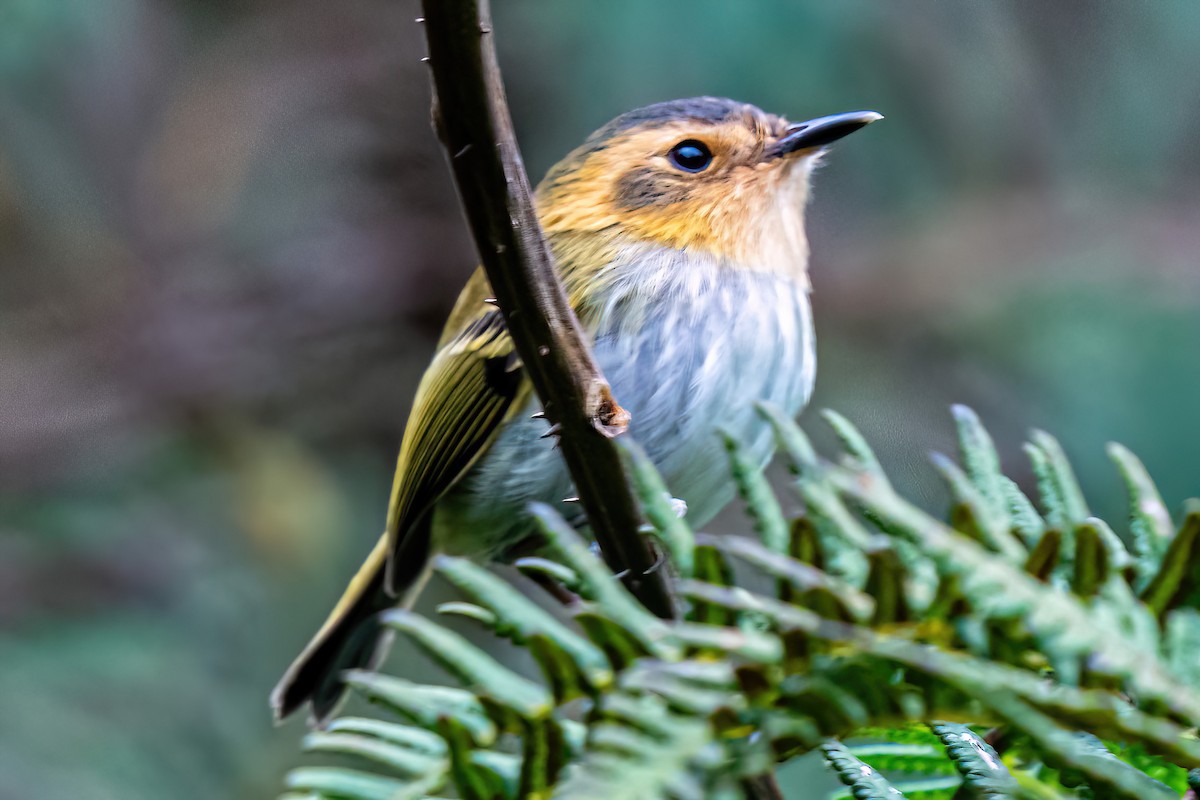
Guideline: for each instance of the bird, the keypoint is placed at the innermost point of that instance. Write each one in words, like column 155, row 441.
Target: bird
column 677, row 230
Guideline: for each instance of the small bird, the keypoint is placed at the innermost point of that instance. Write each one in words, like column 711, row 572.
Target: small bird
column 678, row 232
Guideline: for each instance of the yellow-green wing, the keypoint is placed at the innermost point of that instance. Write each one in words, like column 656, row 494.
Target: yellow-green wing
column 473, row 384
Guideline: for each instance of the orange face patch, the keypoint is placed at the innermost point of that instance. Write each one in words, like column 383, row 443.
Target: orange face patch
column 691, row 183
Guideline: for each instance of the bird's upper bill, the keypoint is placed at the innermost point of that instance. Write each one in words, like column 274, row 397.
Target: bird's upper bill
column 818, row 133
column 704, row 173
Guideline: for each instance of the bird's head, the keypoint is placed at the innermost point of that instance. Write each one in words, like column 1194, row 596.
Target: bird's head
column 704, row 174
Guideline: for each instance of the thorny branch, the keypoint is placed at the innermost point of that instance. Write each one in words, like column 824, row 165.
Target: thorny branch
column 476, row 130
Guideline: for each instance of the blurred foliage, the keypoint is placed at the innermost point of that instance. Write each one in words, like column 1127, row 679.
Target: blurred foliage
column 228, row 239
column 1071, row 656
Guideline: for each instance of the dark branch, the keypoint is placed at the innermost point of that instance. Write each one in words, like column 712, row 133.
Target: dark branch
column 761, row 787
column 473, row 123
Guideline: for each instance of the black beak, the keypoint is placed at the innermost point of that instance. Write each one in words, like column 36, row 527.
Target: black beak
column 822, row 131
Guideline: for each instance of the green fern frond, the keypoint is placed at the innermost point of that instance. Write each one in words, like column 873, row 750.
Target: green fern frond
column 872, row 617
column 863, row 781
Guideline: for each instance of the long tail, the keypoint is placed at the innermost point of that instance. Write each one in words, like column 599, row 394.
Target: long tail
column 351, row 638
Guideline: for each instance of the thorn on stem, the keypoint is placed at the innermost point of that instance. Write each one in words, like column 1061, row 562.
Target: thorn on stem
column 570, row 499
column 465, row 149
column 491, row 301
column 553, row 430
column 538, row 415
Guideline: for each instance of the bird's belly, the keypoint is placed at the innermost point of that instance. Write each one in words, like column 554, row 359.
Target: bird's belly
column 686, row 372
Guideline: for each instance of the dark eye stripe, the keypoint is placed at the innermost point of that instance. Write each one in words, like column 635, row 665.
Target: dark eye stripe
column 690, row 155
column 645, row 186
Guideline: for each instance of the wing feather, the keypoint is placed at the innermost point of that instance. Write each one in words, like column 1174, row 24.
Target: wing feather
column 473, row 385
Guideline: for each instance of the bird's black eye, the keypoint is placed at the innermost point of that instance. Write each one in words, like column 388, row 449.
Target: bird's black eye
column 690, row 155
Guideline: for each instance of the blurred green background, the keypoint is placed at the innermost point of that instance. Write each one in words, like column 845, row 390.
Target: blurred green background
column 228, row 238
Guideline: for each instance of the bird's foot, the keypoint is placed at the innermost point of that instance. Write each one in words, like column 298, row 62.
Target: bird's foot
column 679, row 507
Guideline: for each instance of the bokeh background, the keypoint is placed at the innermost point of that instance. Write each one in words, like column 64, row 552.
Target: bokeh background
column 228, row 238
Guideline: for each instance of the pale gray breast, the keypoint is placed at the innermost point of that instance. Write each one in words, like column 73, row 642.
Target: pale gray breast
column 690, row 346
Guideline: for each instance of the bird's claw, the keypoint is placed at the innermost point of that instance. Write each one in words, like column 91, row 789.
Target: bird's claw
column 679, row 507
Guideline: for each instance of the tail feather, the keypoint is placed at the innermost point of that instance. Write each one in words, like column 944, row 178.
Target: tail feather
column 351, row 638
